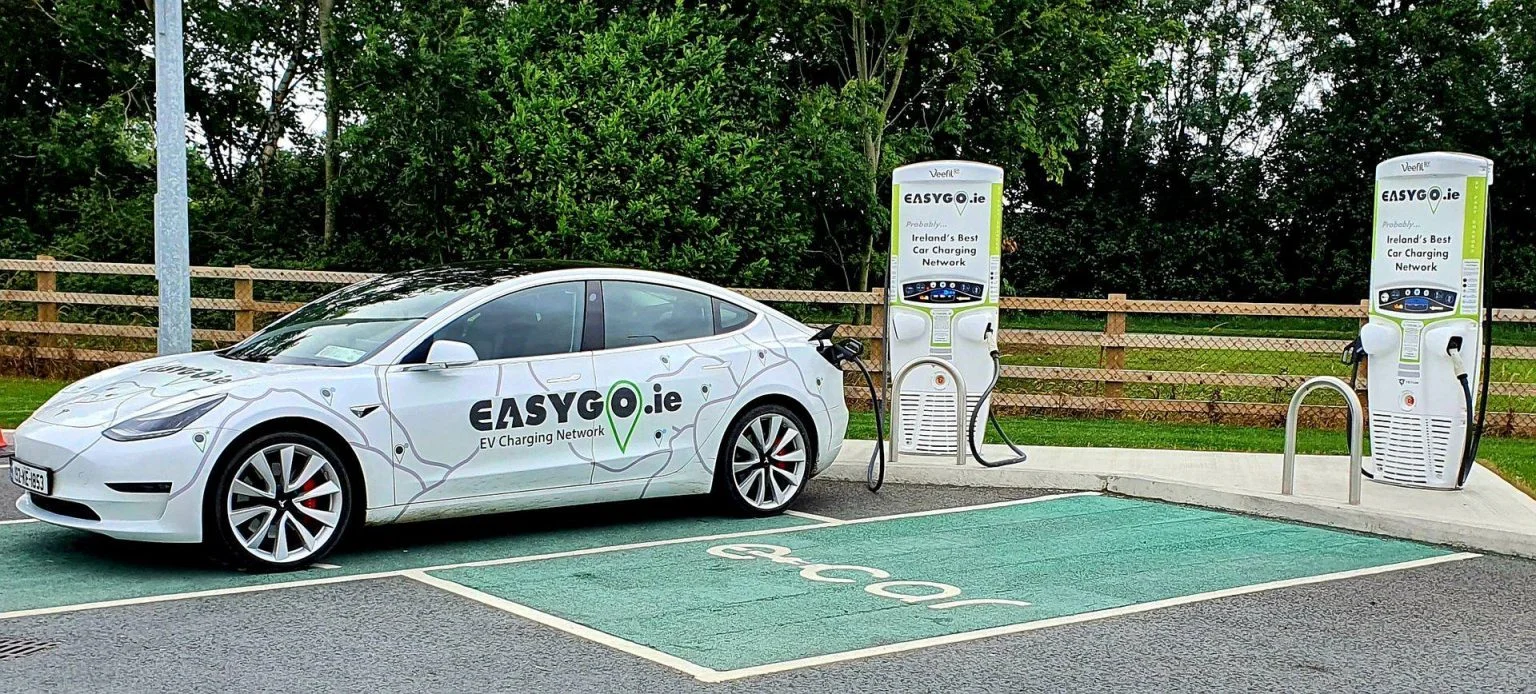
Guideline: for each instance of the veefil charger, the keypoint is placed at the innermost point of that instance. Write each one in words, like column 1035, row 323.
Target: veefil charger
column 942, row 298
column 1425, row 337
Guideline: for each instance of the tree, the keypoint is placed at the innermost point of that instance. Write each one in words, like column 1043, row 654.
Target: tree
column 1006, row 81
column 1392, row 78
column 327, row 23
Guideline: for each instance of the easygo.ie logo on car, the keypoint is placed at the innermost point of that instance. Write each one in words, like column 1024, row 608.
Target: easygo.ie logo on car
column 621, row 406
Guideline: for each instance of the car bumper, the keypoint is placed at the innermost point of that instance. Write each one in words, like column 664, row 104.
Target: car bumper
column 157, row 530
column 833, row 425
column 85, row 468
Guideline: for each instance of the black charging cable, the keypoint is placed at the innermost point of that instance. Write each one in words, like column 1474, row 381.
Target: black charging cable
column 851, row 350
column 1469, row 446
column 874, row 475
column 997, row 375
column 1353, row 354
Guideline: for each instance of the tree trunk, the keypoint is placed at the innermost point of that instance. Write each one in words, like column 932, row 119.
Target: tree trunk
column 332, row 114
column 271, row 128
column 874, row 138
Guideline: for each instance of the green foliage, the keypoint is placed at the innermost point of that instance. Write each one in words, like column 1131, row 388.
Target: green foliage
column 558, row 130
column 1171, row 148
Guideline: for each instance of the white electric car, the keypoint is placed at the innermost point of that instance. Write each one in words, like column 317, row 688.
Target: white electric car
column 449, row 391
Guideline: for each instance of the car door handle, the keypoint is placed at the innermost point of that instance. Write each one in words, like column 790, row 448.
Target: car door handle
column 564, row 379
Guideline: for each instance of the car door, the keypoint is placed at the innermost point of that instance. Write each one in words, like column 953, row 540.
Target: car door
column 668, row 376
column 522, row 417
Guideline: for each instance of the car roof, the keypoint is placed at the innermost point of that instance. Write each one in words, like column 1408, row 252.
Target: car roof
column 484, row 273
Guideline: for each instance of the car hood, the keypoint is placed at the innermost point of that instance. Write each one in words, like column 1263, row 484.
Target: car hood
column 118, row 393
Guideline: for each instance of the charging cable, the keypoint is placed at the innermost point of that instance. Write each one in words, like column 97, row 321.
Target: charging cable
column 851, row 350
column 1354, row 353
column 874, row 475
column 997, row 374
column 1469, row 448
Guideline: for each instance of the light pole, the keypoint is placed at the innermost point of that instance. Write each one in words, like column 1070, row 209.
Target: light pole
column 172, row 260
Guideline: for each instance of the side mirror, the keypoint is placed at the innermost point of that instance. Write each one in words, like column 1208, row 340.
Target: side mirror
column 447, row 354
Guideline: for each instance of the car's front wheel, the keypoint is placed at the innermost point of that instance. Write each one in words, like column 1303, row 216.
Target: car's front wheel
column 764, row 461
column 282, row 501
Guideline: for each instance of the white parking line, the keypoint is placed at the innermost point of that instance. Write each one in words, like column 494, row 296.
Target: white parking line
column 569, row 627
column 18, row 520
column 815, row 517
column 61, row 609
column 706, row 674
column 721, row 676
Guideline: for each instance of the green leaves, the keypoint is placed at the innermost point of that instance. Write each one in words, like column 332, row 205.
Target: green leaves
column 1172, row 148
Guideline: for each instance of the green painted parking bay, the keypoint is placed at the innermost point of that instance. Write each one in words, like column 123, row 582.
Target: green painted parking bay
column 43, row 566
column 729, row 607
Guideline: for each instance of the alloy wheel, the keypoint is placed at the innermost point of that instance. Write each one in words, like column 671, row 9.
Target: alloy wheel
column 284, row 503
column 768, row 462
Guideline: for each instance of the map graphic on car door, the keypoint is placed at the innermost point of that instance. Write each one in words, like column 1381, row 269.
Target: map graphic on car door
column 525, row 417
column 660, row 345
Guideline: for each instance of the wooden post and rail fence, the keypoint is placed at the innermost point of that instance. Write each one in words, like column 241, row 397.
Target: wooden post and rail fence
column 1268, row 369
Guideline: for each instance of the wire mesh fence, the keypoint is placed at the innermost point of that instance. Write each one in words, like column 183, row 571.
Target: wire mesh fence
column 1220, row 362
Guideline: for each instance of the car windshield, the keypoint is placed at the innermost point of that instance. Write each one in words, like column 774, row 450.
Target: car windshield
column 348, row 326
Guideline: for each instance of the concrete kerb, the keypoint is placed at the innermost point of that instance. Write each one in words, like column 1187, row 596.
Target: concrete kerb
column 1073, row 469
column 1475, row 534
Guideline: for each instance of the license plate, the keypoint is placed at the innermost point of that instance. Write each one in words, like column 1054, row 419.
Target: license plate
column 32, row 479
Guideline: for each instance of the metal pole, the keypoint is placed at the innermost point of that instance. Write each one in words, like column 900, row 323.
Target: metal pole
column 1355, row 434
column 172, row 259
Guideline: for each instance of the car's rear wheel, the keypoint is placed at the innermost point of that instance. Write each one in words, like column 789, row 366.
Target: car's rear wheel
column 282, row 501
column 765, row 461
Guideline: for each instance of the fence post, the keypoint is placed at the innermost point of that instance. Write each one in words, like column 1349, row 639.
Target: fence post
column 47, row 311
column 1114, row 344
column 877, row 344
column 245, row 299
column 1361, row 386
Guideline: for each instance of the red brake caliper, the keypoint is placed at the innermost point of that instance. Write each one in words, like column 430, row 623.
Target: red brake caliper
column 308, row 486
column 780, row 464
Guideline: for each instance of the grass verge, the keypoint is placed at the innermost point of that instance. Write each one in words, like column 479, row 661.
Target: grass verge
column 1513, row 459
column 19, row 396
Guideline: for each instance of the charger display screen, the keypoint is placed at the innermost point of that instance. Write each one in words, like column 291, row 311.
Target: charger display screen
column 1416, row 300
column 942, row 292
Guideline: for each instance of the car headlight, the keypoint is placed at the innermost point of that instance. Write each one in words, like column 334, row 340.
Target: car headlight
column 163, row 421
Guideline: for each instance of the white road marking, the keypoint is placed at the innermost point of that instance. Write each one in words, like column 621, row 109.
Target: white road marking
column 320, row 565
column 721, row 676
column 743, row 533
column 18, row 520
column 815, row 517
column 171, row 597
column 60, row 609
column 569, row 627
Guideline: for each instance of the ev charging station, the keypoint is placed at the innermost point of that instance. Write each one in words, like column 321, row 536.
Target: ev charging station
column 1427, row 333
column 942, row 298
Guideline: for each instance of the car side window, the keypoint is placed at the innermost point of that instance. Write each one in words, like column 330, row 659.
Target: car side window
column 637, row 313
column 730, row 317
column 527, row 323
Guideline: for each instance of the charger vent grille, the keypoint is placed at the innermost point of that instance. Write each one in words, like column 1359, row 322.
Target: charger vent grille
column 928, row 422
column 1408, row 448
column 1439, row 445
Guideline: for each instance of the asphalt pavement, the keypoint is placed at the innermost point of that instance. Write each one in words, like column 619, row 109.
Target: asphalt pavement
column 1456, row 626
